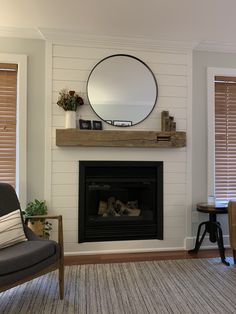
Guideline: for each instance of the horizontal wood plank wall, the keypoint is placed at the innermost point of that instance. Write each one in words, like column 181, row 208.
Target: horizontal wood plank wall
column 71, row 65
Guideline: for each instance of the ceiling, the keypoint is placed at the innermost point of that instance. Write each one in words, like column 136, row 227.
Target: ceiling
column 170, row 20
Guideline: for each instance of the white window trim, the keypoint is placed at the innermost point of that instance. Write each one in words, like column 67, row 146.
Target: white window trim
column 21, row 132
column 211, row 73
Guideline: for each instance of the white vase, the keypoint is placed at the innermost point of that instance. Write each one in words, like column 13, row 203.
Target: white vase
column 70, row 119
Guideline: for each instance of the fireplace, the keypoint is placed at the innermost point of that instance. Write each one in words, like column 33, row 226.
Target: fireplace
column 120, row 200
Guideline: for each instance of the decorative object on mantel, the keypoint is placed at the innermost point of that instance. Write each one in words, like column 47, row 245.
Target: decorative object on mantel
column 97, row 125
column 122, row 123
column 110, row 138
column 69, row 101
column 167, row 122
column 85, row 124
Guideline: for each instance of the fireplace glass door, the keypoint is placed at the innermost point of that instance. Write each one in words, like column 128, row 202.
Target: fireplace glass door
column 120, row 200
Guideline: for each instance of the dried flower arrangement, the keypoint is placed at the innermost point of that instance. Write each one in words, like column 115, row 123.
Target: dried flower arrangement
column 69, row 100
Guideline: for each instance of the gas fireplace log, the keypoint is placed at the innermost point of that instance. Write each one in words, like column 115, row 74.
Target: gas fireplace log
column 135, row 212
column 117, row 208
column 102, row 208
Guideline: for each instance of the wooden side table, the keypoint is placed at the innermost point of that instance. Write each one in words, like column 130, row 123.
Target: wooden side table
column 212, row 226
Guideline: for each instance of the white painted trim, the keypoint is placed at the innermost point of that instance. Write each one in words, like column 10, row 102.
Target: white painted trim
column 19, row 32
column 48, row 112
column 211, row 73
column 124, row 251
column 216, row 47
column 211, row 132
column 190, row 243
column 21, row 149
column 189, row 150
column 72, row 37
column 110, row 41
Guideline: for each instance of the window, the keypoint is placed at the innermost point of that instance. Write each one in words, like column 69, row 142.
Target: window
column 225, row 138
column 222, row 134
column 19, row 62
column 8, row 94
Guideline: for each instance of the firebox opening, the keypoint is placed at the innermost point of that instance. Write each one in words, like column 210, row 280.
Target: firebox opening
column 120, row 200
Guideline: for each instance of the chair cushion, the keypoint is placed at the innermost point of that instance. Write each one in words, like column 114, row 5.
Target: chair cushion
column 25, row 254
column 11, row 229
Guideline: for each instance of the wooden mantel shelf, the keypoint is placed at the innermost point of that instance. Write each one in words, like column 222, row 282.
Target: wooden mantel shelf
column 110, row 138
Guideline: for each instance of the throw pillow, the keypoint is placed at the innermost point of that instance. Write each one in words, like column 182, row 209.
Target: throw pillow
column 11, row 229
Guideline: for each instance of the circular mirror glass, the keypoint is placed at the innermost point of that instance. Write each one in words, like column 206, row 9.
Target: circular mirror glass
column 122, row 90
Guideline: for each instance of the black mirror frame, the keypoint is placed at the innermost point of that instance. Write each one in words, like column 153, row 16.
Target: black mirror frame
column 125, row 55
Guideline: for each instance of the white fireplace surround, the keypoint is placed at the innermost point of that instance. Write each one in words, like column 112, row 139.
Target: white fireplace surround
column 68, row 65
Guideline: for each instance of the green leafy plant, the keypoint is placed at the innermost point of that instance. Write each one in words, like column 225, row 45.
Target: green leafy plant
column 69, row 100
column 35, row 208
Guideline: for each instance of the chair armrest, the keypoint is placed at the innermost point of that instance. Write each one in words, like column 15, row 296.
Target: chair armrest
column 43, row 217
column 60, row 227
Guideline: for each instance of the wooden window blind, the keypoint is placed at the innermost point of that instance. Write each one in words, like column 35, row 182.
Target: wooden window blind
column 8, row 94
column 225, row 138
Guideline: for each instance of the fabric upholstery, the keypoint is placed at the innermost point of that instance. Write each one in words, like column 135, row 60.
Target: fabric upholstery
column 25, row 254
column 19, row 275
column 8, row 200
column 11, row 229
column 26, row 260
column 232, row 223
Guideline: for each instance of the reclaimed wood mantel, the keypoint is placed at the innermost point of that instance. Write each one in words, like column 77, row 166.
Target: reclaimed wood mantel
column 111, row 138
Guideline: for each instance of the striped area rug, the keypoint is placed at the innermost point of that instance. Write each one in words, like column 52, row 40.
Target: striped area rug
column 179, row 286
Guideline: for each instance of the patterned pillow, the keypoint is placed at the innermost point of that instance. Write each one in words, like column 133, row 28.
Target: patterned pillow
column 11, row 229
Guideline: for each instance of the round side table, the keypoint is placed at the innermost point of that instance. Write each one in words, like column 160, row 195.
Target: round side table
column 212, row 226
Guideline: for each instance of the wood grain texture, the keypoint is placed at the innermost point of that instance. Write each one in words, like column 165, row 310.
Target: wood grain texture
column 138, row 257
column 151, row 139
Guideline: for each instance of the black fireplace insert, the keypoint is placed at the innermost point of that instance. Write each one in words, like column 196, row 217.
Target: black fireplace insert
column 120, row 200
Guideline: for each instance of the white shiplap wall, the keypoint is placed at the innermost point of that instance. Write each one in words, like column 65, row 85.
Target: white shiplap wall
column 71, row 65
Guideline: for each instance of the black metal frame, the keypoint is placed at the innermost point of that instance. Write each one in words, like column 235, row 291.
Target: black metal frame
column 127, row 56
column 149, row 231
column 213, row 227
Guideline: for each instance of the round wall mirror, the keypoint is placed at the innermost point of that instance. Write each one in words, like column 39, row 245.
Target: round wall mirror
column 122, row 90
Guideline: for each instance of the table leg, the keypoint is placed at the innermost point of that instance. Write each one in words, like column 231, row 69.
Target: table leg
column 212, row 228
column 219, row 239
column 199, row 242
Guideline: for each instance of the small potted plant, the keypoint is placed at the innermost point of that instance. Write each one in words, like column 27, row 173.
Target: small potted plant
column 41, row 227
column 69, row 101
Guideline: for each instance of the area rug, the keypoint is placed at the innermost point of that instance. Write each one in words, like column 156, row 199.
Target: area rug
column 179, row 286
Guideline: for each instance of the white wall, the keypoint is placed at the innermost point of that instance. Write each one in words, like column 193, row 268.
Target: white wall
column 35, row 51
column 69, row 65
column 201, row 61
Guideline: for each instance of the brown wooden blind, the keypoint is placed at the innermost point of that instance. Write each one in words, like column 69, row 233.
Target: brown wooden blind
column 8, row 94
column 225, row 138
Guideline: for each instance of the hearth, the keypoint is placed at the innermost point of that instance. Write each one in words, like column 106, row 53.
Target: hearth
column 120, row 200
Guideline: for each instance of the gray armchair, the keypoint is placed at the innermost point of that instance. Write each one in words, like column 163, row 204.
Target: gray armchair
column 27, row 260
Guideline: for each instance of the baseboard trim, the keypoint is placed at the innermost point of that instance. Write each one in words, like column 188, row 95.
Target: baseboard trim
column 124, row 251
column 190, row 243
column 138, row 257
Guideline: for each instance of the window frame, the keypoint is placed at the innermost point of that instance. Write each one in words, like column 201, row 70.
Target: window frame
column 211, row 73
column 21, row 129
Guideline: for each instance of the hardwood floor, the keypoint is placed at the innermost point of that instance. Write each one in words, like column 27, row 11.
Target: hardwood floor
column 135, row 257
